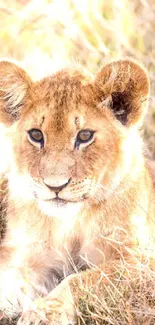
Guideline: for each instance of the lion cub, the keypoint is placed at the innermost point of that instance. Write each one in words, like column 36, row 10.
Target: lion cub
column 78, row 194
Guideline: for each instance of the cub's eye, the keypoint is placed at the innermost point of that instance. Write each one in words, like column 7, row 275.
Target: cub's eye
column 84, row 136
column 36, row 136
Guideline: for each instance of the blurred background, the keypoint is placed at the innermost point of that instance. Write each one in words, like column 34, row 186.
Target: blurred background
column 47, row 35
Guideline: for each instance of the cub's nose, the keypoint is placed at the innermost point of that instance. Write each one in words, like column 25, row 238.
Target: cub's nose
column 56, row 185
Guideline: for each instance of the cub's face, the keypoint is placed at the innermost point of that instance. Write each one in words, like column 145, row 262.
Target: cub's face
column 67, row 137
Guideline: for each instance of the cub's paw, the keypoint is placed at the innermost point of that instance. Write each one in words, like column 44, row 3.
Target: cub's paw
column 32, row 318
column 51, row 316
column 56, row 309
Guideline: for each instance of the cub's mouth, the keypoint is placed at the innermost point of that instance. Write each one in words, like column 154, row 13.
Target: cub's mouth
column 60, row 208
column 57, row 202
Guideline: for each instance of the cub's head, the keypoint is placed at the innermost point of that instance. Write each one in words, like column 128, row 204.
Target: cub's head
column 70, row 140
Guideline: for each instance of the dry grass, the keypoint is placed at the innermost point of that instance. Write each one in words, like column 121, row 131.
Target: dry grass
column 48, row 35
column 128, row 300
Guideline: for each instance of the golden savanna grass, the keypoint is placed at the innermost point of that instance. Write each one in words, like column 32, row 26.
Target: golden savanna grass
column 54, row 34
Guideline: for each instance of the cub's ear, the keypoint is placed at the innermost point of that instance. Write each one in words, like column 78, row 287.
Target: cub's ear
column 124, row 85
column 14, row 87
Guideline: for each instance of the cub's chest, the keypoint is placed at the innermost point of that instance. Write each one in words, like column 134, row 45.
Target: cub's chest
column 56, row 262
column 49, row 265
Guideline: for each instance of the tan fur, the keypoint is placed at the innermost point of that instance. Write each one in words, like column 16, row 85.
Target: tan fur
column 111, row 199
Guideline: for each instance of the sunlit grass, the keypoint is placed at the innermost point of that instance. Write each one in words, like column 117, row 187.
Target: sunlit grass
column 59, row 31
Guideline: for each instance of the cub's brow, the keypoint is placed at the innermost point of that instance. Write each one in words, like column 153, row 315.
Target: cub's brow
column 77, row 121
